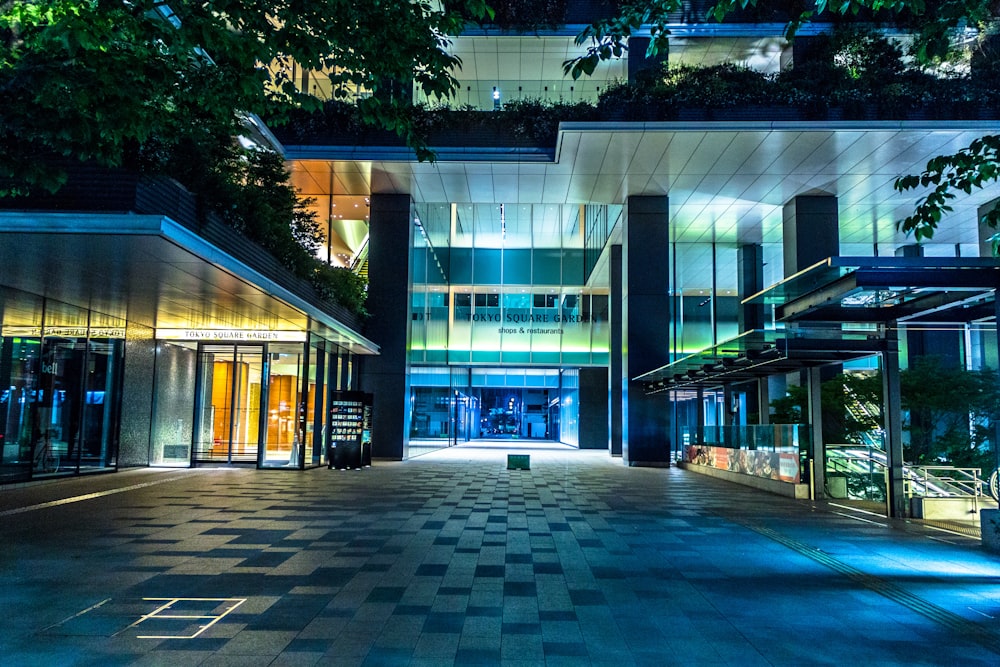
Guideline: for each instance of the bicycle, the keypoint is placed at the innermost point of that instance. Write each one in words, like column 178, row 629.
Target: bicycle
column 46, row 457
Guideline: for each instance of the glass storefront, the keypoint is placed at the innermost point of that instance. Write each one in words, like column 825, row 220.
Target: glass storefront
column 60, row 388
column 228, row 414
column 244, row 403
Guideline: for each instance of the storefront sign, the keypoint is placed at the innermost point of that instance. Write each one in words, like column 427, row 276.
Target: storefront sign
column 782, row 466
column 64, row 332
column 256, row 335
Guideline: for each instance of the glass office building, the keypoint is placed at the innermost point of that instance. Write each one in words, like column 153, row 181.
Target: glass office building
column 540, row 282
column 518, row 290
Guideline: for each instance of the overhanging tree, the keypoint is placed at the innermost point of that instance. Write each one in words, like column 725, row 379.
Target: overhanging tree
column 166, row 87
column 935, row 21
column 95, row 80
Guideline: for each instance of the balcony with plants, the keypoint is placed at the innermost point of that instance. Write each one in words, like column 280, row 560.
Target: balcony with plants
column 850, row 75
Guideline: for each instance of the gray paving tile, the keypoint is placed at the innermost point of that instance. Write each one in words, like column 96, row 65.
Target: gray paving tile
column 578, row 561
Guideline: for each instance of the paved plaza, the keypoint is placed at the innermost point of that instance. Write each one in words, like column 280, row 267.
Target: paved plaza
column 451, row 559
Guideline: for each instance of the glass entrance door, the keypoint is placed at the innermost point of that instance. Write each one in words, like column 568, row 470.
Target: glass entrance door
column 287, row 409
column 229, row 403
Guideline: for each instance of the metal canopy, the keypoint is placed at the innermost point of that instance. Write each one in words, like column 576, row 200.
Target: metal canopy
column 886, row 289
column 151, row 271
column 838, row 310
column 760, row 353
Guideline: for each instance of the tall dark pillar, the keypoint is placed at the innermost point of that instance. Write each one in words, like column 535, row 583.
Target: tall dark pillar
column 750, row 269
column 387, row 376
column 646, row 430
column 593, row 408
column 810, row 231
column 750, row 273
column 615, row 367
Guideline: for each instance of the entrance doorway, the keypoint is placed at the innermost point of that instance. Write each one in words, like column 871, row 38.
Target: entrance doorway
column 228, row 416
column 250, row 404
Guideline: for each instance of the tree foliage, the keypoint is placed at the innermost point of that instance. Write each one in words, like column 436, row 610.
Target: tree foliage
column 950, row 412
column 935, row 22
column 97, row 79
column 952, row 426
column 166, row 87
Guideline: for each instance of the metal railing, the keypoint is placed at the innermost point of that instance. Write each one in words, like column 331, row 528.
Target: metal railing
column 866, row 467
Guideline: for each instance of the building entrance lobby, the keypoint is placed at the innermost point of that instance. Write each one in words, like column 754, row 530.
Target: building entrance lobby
column 452, row 406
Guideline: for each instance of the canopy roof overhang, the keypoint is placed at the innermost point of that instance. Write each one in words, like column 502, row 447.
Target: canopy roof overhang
column 886, row 289
column 150, row 271
column 838, row 310
column 757, row 354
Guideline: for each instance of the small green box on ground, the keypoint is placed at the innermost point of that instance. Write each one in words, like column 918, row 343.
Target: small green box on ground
column 518, row 462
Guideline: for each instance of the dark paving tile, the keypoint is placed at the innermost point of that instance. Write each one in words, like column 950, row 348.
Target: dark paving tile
column 587, row 597
column 490, row 571
column 439, row 622
column 548, row 568
column 577, row 563
column 386, row 594
column 564, row 649
column 520, row 589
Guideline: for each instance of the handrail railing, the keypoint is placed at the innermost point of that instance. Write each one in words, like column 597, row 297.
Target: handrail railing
column 938, row 481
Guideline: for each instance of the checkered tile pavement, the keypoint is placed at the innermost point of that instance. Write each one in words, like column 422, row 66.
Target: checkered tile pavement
column 451, row 559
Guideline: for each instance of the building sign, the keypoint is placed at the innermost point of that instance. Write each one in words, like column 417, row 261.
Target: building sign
column 218, row 335
column 64, row 332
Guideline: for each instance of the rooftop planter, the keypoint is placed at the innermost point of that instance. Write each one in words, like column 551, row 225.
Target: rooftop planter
column 853, row 76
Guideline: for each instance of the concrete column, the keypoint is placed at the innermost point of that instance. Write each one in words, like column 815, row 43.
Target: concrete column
column 750, row 273
column 615, row 373
column 811, row 234
column 135, row 431
column 817, row 448
column 593, row 408
column 387, row 376
column 893, row 411
column 646, row 430
column 810, row 231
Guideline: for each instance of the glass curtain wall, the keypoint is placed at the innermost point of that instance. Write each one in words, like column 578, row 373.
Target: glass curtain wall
column 501, row 303
column 456, row 405
column 706, row 302
column 498, row 284
column 60, row 388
